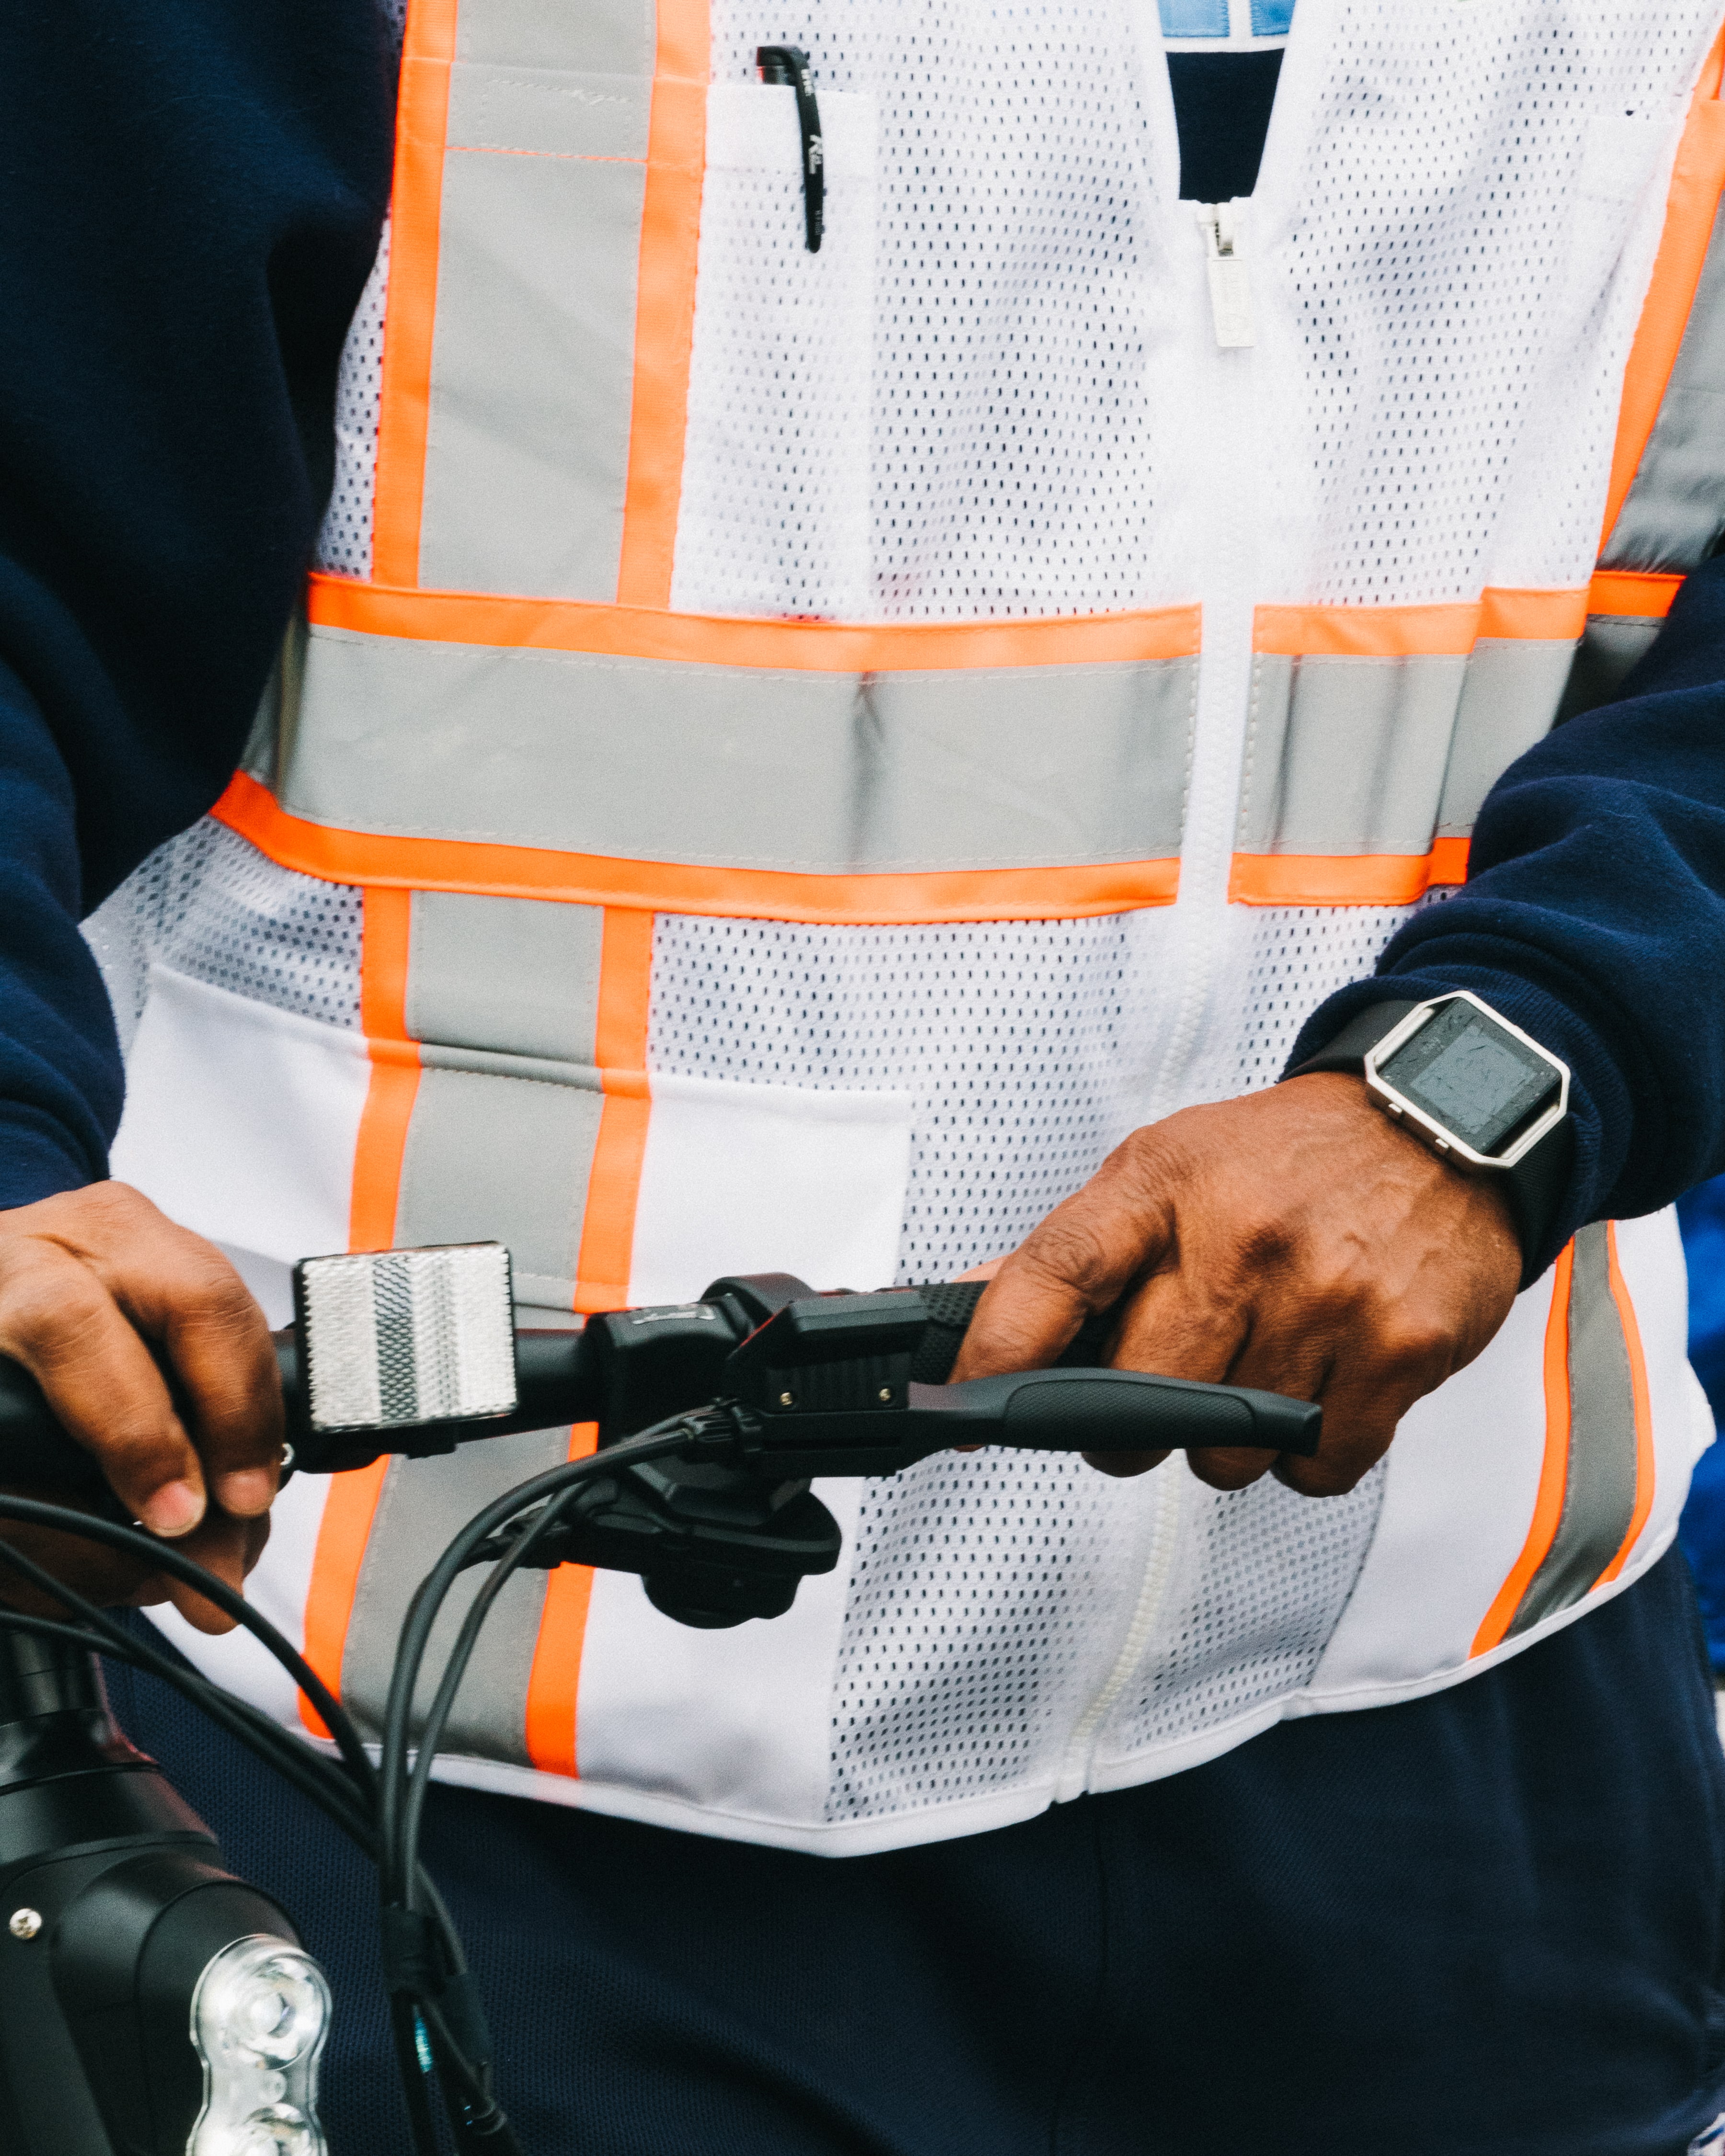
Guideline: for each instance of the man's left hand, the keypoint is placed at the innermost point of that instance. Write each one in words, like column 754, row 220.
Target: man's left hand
column 1292, row 1239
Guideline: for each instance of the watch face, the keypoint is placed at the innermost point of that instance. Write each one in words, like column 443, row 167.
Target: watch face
column 1472, row 1076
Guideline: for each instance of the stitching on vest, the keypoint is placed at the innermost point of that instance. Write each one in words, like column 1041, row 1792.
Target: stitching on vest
column 506, row 150
column 1251, row 748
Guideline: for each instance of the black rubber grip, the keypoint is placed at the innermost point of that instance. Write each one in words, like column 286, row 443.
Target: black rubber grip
column 35, row 1453
column 1126, row 1411
column 950, row 1305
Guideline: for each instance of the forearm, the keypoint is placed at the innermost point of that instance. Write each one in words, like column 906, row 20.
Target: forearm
column 193, row 193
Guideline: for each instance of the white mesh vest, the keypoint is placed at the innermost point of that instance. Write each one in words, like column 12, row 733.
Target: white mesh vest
column 789, row 756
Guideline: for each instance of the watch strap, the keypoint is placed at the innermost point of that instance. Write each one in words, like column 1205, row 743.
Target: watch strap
column 1534, row 1189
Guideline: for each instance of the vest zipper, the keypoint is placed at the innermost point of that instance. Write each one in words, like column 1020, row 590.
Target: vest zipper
column 1168, row 1490
column 1230, row 281
column 1226, row 547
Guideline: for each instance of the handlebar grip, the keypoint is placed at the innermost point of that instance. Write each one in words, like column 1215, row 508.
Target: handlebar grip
column 35, row 1453
column 1113, row 1411
column 952, row 1304
column 1127, row 1411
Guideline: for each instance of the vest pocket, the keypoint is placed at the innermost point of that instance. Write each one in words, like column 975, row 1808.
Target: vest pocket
column 775, row 512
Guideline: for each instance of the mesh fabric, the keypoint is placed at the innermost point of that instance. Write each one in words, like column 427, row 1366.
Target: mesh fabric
column 209, row 904
column 344, row 543
column 980, row 1584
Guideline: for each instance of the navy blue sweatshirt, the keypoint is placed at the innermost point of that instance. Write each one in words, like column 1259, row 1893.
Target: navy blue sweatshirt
column 193, row 190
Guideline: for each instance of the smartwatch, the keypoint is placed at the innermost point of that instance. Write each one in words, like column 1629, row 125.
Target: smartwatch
column 1482, row 1094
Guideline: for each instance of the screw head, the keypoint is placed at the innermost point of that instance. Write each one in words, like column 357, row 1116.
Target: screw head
column 886, row 1393
column 787, row 1399
column 25, row 1923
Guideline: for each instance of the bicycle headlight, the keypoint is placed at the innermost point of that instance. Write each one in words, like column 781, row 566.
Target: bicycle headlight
column 260, row 2016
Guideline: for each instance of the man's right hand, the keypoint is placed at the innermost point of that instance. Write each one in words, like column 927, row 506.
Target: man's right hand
column 96, row 1286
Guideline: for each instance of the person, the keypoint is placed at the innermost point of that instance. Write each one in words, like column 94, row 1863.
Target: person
column 873, row 760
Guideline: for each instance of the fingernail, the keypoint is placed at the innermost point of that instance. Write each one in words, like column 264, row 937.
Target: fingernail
column 246, row 1492
column 175, row 1510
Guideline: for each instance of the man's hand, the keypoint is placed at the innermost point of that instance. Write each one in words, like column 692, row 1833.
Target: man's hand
column 1293, row 1239
column 86, row 1281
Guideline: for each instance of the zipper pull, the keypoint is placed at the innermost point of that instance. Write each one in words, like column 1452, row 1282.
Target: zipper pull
column 1230, row 285
column 788, row 64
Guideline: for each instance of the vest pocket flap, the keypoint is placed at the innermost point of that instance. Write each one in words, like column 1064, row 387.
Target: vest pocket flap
column 760, row 1179
column 751, row 127
column 240, row 1120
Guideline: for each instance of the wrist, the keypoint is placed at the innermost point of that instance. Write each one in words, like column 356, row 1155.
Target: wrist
column 1485, row 1096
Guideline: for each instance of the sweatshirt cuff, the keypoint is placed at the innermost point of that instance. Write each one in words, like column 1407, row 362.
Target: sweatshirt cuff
column 39, row 1159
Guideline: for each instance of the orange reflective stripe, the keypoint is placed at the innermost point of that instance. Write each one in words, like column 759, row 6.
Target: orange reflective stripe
column 732, row 640
column 410, row 304
column 607, row 1221
column 365, row 857
column 1536, row 616
column 341, row 1538
column 1644, row 1468
column 1446, row 631
column 1345, row 879
column 1698, row 180
column 1631, row 591
column 555, row 1679
column 1553, row 1469
column 664, row 304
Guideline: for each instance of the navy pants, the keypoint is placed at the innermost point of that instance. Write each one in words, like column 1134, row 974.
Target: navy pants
column 1488, row 1921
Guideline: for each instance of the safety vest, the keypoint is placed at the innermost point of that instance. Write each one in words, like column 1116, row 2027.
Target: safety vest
column 791, row 756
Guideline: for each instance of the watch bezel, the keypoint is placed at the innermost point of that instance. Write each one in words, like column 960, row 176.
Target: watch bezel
column 1425, row 1125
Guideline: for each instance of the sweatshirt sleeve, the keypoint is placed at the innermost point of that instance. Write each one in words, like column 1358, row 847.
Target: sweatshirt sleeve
column 194, row 190
column 1594, row 916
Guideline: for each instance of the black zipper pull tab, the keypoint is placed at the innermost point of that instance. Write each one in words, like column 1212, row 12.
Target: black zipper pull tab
column 786, row 64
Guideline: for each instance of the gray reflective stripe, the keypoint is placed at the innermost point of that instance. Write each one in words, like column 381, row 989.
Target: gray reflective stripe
column 1347, row 756
column 504, row 1158
column 1600, row 1487
column 613, row 37
column 1674, row 509
column 1380, row 755
column 742, row 766
column 546, row 112
column 517, row 974
column 527, row 453
column 1509, row 700
column 423, row 1504
column 1609, row 647
column 532, row 363
column 502, row 994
